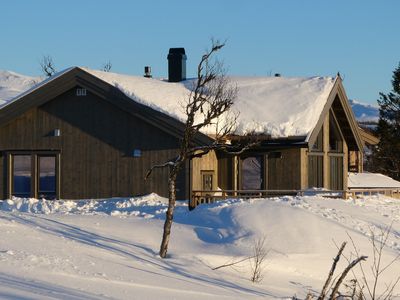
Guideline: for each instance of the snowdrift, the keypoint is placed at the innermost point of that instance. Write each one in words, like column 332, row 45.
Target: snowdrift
column 108, row 248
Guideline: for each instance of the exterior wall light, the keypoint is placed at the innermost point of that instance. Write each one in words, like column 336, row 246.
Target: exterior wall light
column 57, row 132
column 137, row 153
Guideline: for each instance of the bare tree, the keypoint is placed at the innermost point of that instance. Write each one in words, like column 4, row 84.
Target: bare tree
column 257, row 262
column 379, row 241
column 208, row 105
column 106, row 67
column 335, row 284
column 47, row 66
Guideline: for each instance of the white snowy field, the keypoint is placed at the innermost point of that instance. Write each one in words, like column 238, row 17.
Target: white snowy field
column 108, row 249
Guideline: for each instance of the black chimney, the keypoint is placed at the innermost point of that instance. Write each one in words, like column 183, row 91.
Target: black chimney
column 147, row 72
column 176, row 64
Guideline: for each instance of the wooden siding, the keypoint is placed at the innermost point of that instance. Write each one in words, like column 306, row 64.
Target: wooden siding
column 96, row 145
column 226, row 172
column 284, row 171
column 207, row 162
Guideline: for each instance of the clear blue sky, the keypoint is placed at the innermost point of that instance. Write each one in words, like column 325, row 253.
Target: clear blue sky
column 358, row 38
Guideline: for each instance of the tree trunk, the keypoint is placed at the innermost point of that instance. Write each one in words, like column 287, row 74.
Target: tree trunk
column 168, row 216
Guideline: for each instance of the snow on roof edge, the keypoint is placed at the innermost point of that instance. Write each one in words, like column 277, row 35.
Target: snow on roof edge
column 256, row 93
column 329, row 96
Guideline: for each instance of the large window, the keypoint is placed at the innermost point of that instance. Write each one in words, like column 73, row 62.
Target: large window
column 316, row 162
column 336, row 178
column 33, row 174
column 335, row 138
column 47, row 177
column 252, row 173
column 315, row 171
column 22, row 175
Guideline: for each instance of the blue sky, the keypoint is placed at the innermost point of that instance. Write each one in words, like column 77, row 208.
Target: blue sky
column 360, row 39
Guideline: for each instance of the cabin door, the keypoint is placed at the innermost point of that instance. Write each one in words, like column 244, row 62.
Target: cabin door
column 33, row 175
column 252, row 173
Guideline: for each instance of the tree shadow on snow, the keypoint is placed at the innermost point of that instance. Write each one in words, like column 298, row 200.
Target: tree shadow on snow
column 13, row 287
column 148, row 255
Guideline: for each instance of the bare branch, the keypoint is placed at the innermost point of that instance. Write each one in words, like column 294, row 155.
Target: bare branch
column 344, row 274
column 47, row 66
column 331, row 272
column 106, row 67
column 164, row 165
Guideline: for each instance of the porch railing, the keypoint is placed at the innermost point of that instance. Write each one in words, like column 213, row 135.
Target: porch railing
column 394, row 192
column 202, row 196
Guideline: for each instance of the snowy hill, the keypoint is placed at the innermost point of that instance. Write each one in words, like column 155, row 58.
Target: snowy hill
column 365, row 112
column 13, row 84
column 108, row 249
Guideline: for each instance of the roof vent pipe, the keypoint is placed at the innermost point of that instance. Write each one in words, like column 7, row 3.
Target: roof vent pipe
column 147, row 72
column 176, row 64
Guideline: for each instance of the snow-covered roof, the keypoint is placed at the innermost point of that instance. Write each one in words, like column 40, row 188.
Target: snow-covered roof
column 276, row 106
column 371, row 180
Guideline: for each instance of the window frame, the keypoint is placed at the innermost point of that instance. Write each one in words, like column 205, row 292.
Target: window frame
column 334, row 129
column 9, row 156
column 209, row 173
column 263, row 169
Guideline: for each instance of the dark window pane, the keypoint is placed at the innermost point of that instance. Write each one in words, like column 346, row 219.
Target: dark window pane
column 22, row 170
column 47, row 177
column 315, row 171
column 318, row 145
column 252, row 173
column 335, row 139
column 207, row 181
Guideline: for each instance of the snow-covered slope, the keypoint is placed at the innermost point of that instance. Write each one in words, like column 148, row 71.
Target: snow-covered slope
column 13, row 84
column 108, row 249
column 365, row 112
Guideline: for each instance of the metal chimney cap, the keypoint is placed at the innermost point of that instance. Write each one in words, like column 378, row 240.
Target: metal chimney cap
column 177, row 51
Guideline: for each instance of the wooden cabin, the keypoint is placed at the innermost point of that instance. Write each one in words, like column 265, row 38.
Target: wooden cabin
column 90, row 134
column 320, row 159
column 75, row 136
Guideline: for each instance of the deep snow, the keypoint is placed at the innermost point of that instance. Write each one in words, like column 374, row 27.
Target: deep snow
column 108, row 249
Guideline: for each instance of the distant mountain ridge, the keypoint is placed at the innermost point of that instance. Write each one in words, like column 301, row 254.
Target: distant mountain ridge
column 365, row 113
column 12, row 84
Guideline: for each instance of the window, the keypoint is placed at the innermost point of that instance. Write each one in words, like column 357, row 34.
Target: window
column 252, row 173
column 207, row 177
column 80, row 92
column 33, row 174
column 318, row 145
column 47, row 177
column 315, row 171
column 21, row 176
column 335, row 138
column 336, row 175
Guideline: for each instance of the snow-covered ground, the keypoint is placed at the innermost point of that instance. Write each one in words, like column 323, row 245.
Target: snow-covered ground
column 108, row 249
